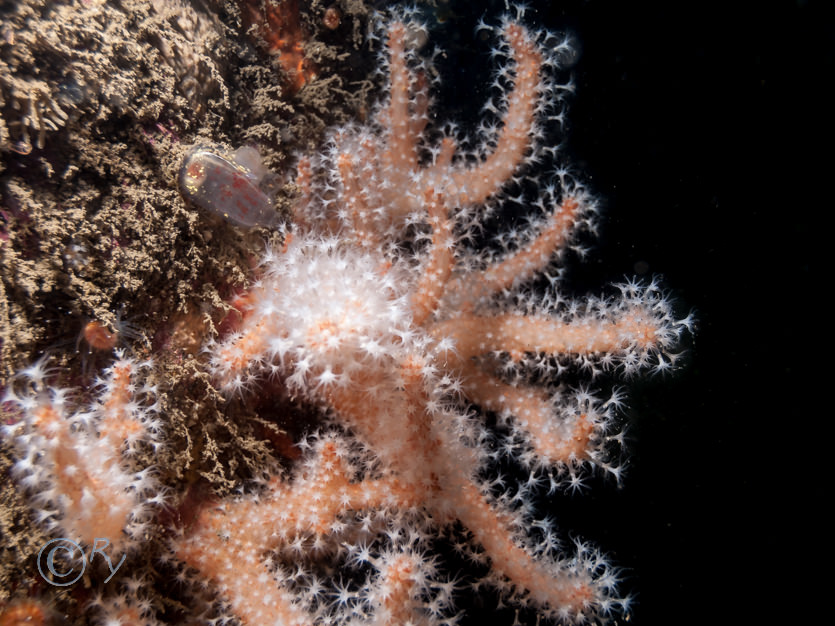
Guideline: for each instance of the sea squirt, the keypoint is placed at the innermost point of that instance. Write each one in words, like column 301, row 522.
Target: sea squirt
column 228, row 187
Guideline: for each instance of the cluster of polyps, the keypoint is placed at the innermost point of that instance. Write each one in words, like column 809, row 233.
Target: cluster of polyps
column 378, row 311
column 381, row 312
column 75, row 461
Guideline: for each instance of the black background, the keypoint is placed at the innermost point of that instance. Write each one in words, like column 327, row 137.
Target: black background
column 703, row 127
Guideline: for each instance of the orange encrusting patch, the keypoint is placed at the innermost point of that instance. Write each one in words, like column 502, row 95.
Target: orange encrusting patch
column 277, row 25
column 99, row 337
column 28, row 612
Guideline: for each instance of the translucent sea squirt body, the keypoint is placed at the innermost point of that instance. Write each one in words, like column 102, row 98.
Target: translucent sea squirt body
column 228, row 187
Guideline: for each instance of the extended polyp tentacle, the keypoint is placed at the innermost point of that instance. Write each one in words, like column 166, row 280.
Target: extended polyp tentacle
column 443, row 161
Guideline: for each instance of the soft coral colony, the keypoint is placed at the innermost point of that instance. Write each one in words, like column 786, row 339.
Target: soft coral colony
column 380, row 311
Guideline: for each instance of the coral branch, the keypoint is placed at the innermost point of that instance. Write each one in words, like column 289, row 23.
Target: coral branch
column 564, row 437
column 438, row 267
column 526, row 262
column 74, row 464
column 475, row 335
column 551, row 586
column 289, row 512
column 400, row 157
column 392, row 330
column 474, row 186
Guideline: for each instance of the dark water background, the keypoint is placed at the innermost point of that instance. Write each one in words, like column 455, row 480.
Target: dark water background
column 702, row 126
